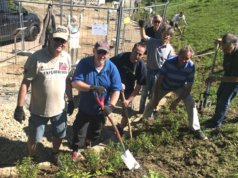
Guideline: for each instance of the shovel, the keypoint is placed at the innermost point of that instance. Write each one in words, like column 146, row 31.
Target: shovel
column 127, row 157
column 203, row 100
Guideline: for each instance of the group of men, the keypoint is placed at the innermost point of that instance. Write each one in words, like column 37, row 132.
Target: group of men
column 101, row 80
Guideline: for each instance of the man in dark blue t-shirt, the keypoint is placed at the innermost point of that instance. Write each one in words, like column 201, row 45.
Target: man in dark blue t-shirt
column 133, row 72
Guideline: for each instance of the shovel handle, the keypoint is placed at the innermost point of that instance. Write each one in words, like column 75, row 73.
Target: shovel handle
column 117, row 133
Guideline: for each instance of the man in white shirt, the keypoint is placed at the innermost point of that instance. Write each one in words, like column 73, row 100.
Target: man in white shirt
column 176, row 19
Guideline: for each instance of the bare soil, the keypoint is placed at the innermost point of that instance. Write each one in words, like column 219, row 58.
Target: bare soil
column 184, row 157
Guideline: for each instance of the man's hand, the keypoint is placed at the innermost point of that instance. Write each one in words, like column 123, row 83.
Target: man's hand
column 141, row 23
column 98, row 89
column 108, row 110
column 126, row 103
column 19, row 114
column 70, row 108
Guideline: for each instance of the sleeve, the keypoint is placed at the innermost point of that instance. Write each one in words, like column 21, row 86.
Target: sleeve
column 151, row 43
column 190, row 78
column 30, row 68
column 115, row 79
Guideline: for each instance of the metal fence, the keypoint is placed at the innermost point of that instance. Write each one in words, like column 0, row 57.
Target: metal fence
column 116, row 23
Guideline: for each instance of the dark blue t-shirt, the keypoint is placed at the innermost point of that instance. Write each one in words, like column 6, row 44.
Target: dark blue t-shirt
column 130, row 72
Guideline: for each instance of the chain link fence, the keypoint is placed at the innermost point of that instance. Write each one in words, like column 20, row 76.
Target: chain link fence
column 95, row 19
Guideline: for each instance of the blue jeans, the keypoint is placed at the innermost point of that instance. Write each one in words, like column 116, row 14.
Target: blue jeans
column 147, row 89
column 37, row 126
column 225, row 93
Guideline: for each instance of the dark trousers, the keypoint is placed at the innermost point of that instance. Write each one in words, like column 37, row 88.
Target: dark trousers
column 86, row 127
column 225, row 94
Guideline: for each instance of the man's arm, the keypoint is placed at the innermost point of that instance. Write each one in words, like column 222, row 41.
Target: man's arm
column 69, row 89
column 133, row 94
column 114, row 98
column 142, row 30
column 184, row 19
column 22, row 92
column 81, row 86
column 19, row 114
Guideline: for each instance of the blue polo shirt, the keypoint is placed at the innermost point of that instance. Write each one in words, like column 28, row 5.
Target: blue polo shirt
column 174, row 77
column 108, row 77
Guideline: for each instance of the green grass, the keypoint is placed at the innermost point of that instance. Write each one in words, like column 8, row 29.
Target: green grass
column 207, row 19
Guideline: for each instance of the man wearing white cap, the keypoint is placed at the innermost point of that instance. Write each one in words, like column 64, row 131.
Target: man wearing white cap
column 47, row 72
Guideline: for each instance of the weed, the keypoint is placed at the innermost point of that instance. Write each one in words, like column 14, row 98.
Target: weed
column 97, row 164
column 113, row 157
column 27, row 168
column 143, row 143
column 69, row 168
column 93, row 160
column 153, row 174
column 165, row 137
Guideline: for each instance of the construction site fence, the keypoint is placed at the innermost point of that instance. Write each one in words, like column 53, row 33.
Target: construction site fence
column 116, row 22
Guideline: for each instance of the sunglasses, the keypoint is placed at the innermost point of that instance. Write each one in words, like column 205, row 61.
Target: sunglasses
column 59, row 40
column 101, row 52
column 156, row 21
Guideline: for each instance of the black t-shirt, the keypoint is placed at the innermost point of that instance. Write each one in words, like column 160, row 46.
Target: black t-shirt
column 153, row 34
column 230, row 63
column 130, row 72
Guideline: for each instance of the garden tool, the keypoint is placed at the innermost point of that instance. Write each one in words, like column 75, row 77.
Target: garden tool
column 203, row 101
column 126, row 113
column 127, row 156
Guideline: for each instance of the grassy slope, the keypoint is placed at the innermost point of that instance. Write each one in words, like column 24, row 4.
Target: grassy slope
column 208, row 20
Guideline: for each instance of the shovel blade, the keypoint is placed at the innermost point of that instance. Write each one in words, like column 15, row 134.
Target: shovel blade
column 130, row 161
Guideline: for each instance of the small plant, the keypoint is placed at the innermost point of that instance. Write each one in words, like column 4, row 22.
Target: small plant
column 113, row 157
column 153, row 174
column 165, row 137
column 27, row 168
column 142, row 143
column 97, row 164
column 93, row 160
column 69, row 168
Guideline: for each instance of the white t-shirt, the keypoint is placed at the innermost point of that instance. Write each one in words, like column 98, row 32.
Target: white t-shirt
column 177, row 18
column 48, row 82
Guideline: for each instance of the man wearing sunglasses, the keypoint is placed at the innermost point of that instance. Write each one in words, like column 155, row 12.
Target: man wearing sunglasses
column 47, row 72
column 99, row 83
column 154, row 31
